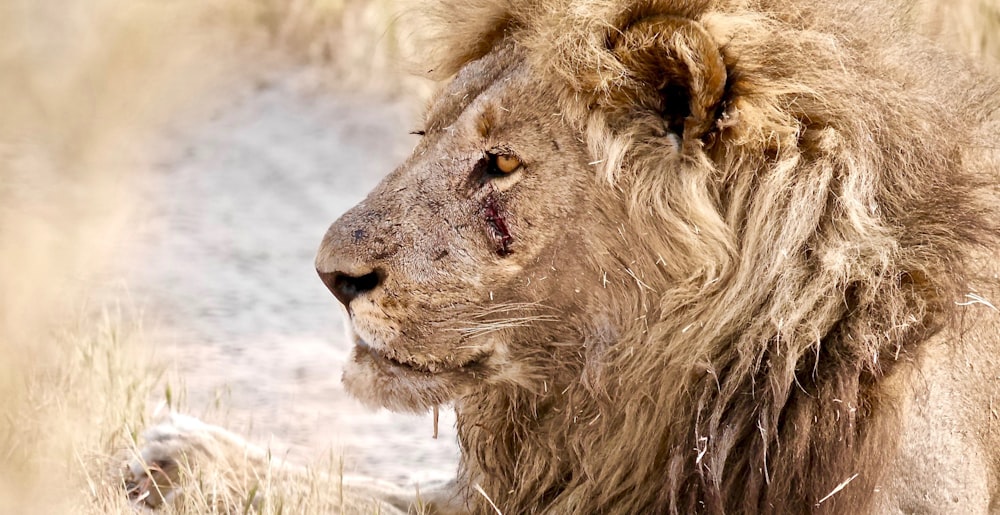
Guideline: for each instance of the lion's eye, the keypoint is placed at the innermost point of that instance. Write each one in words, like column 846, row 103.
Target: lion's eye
column 505, row 164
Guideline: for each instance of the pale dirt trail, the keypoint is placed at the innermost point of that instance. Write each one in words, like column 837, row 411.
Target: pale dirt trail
column 222, row 267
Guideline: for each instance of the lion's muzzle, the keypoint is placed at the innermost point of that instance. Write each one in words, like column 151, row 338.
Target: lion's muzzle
column 343, row 265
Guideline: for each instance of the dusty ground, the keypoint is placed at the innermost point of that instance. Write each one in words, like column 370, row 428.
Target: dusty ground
column 222, row 267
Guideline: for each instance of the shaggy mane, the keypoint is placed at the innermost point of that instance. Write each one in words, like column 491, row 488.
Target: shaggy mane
column 792, row 259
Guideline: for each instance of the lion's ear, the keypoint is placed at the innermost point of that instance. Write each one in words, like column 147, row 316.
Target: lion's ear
column 678, row 67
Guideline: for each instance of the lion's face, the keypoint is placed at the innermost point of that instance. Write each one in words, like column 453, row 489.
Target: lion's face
column 472, row 252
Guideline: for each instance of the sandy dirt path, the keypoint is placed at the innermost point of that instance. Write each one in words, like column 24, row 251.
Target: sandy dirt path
column 222, row 266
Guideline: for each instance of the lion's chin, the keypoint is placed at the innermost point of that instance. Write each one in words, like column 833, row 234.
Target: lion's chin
column 379, row 381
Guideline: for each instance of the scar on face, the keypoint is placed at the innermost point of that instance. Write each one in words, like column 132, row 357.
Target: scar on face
column 496, row 223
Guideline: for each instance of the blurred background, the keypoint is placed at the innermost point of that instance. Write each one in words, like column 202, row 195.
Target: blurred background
column 167, row 169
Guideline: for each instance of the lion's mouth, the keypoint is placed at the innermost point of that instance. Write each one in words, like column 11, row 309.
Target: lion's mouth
column 432, row 368
column 381, row 377
column 364, row 347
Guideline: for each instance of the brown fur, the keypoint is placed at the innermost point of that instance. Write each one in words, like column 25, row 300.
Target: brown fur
column 788, row 200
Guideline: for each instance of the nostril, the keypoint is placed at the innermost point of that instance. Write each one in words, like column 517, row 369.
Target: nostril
column 347, row 287
column 351, row 286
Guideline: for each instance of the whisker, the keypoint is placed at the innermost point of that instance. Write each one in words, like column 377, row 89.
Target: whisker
column 506, row 307
column 480, row 328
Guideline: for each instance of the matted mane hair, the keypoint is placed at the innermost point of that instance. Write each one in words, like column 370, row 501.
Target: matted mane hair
column 808, row 224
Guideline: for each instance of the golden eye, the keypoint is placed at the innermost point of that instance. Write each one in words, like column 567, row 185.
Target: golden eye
column 506, row 163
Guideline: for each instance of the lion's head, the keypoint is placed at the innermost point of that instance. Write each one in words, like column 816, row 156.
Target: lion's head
column 473, row 253
column 664, row 230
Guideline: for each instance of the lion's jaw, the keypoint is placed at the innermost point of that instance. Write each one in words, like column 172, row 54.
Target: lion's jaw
column 450, row 270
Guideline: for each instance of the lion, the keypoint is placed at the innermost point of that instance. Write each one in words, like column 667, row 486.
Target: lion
column 679, row 256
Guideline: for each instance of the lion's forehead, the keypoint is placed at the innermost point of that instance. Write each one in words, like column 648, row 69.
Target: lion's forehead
column 488, row 74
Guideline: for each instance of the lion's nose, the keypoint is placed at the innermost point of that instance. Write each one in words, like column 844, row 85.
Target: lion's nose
column 349, row 286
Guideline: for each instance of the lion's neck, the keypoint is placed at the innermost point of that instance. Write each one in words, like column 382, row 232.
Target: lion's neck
column 515, row 446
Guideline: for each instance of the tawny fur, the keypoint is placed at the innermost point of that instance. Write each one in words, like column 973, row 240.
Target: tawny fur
column 811, row 241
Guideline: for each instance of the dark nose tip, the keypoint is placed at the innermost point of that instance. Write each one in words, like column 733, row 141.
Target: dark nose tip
column 347, row 287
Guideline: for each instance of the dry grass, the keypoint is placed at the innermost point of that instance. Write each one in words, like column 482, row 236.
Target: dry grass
column 355, row 41
column 67, row 418
column 85, row 84
column 82, row 84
